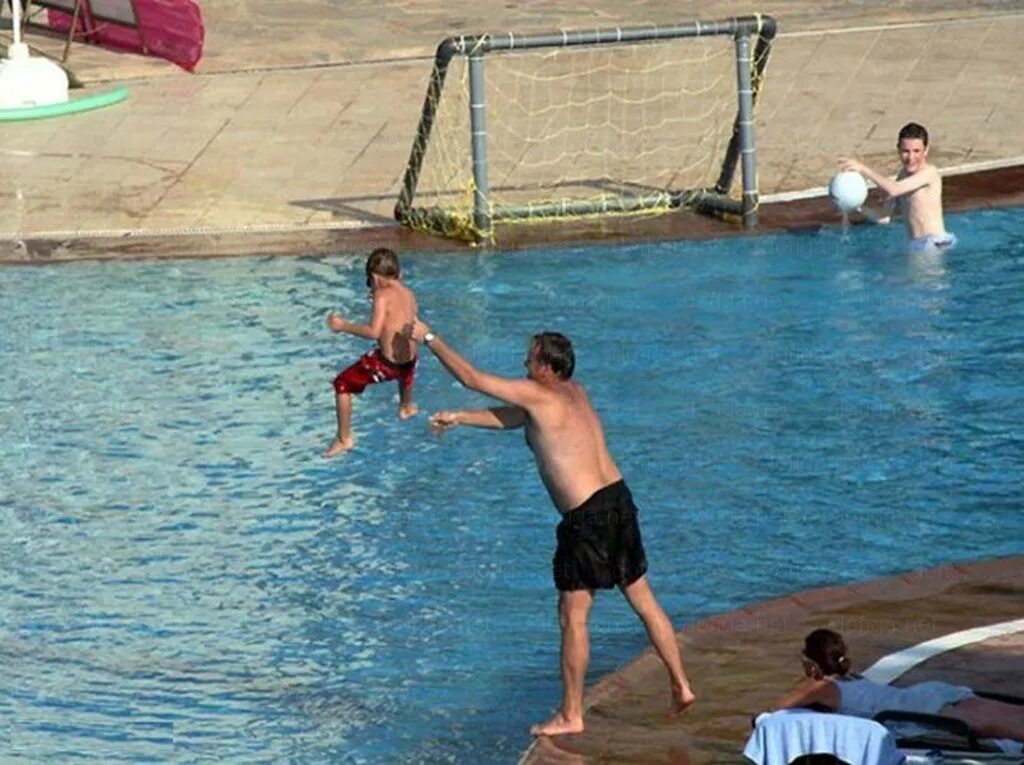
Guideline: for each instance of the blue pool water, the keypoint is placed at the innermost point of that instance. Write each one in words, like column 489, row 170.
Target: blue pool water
column 185, row 579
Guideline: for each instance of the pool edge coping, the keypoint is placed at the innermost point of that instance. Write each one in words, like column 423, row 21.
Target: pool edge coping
column 985, row 185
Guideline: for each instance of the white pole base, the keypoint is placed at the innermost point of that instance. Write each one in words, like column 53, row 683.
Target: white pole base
column 30, row 80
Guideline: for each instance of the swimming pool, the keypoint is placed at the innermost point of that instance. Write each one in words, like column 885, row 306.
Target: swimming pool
column 185, row 579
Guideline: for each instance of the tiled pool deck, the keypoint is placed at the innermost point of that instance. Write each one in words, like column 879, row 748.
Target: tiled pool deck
column 296, row 130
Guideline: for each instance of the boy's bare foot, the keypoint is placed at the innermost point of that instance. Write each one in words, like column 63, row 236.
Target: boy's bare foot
column 338, row 446
column 681, row 702
column 557, row 725
column 405, row 412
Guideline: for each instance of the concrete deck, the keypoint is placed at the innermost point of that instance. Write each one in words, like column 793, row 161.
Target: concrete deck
column 298, row 125
column 739, row 662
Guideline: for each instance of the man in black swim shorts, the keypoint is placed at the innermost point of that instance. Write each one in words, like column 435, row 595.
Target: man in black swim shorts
column 599, row 544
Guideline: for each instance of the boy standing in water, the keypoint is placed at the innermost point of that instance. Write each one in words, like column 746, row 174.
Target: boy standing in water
column 916, row 193
column 394, row 358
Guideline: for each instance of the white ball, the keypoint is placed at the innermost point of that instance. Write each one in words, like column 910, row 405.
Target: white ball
column 848, row 190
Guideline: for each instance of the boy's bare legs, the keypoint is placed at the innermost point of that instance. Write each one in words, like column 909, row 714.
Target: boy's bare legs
column 344, row 440
column 406, row 408
column 573, row 610
column 663, row 638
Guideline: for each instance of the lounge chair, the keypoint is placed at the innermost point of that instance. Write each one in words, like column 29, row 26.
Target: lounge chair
column 916, row 733
column 892, row 737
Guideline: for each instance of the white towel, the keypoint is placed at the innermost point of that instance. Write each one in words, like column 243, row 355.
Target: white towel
column 781, row 737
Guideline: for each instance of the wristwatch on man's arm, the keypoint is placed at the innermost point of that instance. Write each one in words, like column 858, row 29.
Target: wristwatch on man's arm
column 428, row 338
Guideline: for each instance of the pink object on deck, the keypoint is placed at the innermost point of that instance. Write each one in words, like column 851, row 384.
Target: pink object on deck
column 170, row 29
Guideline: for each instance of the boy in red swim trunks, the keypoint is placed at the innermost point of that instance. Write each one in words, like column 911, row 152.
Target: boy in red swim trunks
column 394, row 358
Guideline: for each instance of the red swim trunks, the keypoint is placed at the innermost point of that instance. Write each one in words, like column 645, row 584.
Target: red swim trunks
column 371, row 368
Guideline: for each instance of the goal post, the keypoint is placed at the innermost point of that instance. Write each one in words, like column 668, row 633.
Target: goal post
column 587, row 123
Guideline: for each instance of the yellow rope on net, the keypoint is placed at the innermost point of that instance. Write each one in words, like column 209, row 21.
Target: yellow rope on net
column 567, row 128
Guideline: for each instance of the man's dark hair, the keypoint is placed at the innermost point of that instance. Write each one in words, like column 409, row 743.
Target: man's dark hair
column 913, row 130
column 383, row 262
column 555, row 351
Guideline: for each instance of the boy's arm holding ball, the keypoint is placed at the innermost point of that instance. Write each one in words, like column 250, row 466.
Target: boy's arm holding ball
column 881, row 215
column 849, row 191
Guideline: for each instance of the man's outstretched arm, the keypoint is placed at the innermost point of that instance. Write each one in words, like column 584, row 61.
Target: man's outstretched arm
column 520, row 393
column 496, row 418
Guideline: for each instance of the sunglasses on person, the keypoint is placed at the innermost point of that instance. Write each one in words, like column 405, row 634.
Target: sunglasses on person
column 807, row 663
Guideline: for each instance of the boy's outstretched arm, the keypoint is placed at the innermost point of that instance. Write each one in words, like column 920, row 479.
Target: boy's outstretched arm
column 371, row 331
column 496, row 418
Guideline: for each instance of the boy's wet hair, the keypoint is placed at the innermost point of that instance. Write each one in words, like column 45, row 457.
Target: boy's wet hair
column 554, row 350
column 383, row 262
column 828, row 650
column 913, row 130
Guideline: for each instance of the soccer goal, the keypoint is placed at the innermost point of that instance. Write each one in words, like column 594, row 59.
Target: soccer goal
column 588, row 123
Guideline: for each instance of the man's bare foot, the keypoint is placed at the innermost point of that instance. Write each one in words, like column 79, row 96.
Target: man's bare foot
column 553, row 753
column 405, row 412
column 338, row 446
column 557, row 725
column 681, row 702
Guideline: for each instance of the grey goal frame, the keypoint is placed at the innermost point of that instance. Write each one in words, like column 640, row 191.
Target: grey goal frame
column 751, row 60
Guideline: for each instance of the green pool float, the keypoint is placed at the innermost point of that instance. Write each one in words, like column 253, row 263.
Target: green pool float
column 84, row 104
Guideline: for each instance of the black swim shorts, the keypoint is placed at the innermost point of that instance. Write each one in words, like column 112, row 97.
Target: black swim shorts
column 599, row 545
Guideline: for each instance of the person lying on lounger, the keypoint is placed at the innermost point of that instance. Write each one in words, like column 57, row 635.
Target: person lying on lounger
column 830, row 683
